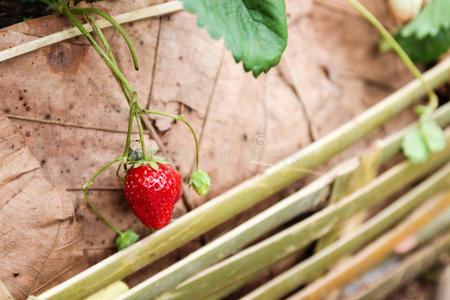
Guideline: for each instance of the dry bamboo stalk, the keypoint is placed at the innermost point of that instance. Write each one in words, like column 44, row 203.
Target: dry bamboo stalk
column 110, row 292
column 373, row 253
column 408, row 269
column 345, row 185
column 268, row 220
column 309, row 268
column 439, row 224
column 135, row 15
column 300, row 202
column 244, row 195
column 276, row 247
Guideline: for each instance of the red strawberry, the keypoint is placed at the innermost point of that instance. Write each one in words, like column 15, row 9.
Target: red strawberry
column 152, row 193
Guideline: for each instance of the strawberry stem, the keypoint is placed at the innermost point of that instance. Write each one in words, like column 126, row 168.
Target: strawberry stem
column 91, row 10
column 86, row 187
column 130, row 98
column 68, row 12
column 182, row 119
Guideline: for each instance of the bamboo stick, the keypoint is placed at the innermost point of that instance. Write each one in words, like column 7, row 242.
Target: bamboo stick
column 377, row 251
column 276, row 247
column 439, row 224
column 245, row 194
column 408, row 269
column 345, row 185
column 110, row 292
column 374, row 277
column 300, row 202
column 280, row 213
column 307, row 269
column 135, row 15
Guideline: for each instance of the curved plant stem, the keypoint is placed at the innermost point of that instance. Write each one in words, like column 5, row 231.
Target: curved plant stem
column 67, row 12
column 130, row 128
column 130, row 98
column 432, row 98
column 182, row 119
column 86, row 187
column 88, row 10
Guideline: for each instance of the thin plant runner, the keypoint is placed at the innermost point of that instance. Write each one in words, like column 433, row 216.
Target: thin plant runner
column 151, row 186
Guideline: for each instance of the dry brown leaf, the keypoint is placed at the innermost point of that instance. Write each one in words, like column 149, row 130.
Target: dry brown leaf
column 74, row 117
column 39, row 233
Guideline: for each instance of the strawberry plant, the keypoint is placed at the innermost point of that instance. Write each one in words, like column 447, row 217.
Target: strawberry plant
column 255, row 32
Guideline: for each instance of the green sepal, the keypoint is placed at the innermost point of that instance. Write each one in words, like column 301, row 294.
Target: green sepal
column 160, row 159
column 154, row 165
column 136, row 159
column 126, row 239
column 201, row 182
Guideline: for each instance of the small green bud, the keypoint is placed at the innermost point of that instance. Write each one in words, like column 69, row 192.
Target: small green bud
column 126, row 239
column 201, row 182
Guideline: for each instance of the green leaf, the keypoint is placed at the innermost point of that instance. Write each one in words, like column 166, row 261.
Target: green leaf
column 254, row 30
column 433, row 17
column 154, row 165
column 427, row 37
column 428, row 49
column 126, row 239
column 201, row 182
column 414, row 146
column 433, row 135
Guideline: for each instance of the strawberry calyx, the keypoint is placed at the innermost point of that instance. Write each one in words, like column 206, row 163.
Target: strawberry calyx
column 200, row 181
column 137, row 159
column 126, row 238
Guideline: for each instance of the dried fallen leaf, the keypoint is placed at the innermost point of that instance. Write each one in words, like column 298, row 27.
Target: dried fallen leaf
column 40, row 237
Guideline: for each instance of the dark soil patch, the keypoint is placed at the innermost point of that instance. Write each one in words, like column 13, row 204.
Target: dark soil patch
column 16, row 11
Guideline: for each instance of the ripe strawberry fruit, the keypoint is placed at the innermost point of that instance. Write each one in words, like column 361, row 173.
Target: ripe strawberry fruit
column 152, row 193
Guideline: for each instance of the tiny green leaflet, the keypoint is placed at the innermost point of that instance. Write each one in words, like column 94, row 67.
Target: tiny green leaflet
column 419, row 142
